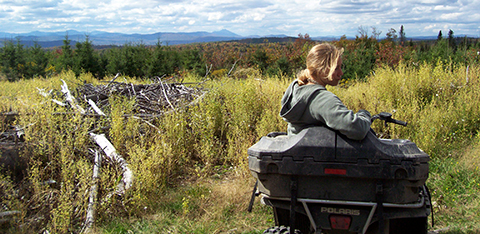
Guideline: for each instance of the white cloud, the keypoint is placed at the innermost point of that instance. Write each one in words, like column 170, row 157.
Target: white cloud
column 246, row 17
column 450, row 16
column 444, row 8
column 215, row 16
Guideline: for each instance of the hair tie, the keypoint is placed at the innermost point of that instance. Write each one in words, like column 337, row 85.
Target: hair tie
column 312, row 81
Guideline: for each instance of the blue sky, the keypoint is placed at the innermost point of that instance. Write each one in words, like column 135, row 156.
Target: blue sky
column 243, row 17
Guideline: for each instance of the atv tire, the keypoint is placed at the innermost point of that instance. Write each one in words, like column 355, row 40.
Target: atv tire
column 280, row 230
column 409, row 225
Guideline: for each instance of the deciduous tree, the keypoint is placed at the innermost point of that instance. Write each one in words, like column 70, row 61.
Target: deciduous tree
column 391, row 35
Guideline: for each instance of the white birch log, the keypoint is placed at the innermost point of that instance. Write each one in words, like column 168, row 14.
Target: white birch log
column 95, row 107
column 59, row 102
column 6, row 215
column 92, row 200
column 45, row 94
column 111, row 153
column 70, row 99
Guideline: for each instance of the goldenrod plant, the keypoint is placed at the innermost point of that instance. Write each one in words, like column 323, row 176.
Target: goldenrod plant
column 190, row 164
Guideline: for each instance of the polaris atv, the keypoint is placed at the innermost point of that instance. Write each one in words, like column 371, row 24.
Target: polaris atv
column 319, row 181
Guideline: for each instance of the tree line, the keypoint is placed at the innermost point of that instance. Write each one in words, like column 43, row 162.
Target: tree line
column 135, row 60
column 361, row 56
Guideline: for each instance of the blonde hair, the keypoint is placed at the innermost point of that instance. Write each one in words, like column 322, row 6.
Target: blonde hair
column 322, row 61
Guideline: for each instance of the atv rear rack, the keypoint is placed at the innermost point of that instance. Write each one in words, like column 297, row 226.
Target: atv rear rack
column 351, row 207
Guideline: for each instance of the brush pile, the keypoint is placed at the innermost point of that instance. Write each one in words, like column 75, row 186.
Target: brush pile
column 150, row 99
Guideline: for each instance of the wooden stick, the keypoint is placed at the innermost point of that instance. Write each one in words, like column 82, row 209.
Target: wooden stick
column 113, row 80
column 229, row 72
column 466, row 79
column 166, row 97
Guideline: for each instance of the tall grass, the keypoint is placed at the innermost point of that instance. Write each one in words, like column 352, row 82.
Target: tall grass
column 440, row 103
column 191, row 172
column 57, row 164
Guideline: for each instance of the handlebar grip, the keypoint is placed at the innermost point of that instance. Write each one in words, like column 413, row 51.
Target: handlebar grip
column 398, row 122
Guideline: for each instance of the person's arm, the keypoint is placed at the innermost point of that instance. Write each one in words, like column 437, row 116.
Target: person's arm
column 329, row 108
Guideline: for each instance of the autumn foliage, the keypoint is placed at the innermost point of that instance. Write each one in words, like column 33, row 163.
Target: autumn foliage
column 270, row 56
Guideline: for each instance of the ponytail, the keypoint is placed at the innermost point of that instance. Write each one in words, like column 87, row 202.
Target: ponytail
column 303, row 76
column 321, row 63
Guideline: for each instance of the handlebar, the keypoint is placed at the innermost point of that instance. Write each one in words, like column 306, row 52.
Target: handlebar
column 387, row 117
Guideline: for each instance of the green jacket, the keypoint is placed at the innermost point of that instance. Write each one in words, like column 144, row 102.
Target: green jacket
column 312, row 105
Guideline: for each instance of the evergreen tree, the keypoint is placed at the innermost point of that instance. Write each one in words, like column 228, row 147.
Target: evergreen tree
column 360, row 60
column 8, row 60
column 136, row 60
column 440, row 36
column 13, row 60
column 282, row 66
column 451, row 40
column 130, row 60
column 440, row 51
column 114, row 61
column 37, row 61
column 192, row 61
column 20, row 56
column 403, row 39
column 66, row 60
column 85, row 59
column 260, row 59
column 163, row 61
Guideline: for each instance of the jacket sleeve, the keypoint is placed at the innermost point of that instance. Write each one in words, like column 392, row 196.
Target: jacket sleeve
column 328, row 108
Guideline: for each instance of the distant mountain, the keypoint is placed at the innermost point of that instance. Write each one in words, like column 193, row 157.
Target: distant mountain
column 50, row 39
column 329, row 38
column 100, row 38
column 258, row 36
column 225, row 33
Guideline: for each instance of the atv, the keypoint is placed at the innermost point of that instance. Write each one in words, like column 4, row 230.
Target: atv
column 319, row 181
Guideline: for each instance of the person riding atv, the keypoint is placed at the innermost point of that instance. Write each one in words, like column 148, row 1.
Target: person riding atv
column 307, row 102
column 330, row 173
column 320, row 181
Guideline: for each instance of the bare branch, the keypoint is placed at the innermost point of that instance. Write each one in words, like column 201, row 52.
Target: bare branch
column 234, row 65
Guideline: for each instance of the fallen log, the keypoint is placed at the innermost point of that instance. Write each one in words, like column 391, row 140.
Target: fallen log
column 92, row 200
column 70, row 99
column 95, row 107
column 112, row 154
column 6, row 216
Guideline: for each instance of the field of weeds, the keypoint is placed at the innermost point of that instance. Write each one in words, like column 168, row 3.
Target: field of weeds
column 189, row 167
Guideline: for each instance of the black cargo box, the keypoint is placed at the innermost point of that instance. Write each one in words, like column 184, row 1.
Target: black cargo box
column 327, row 165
